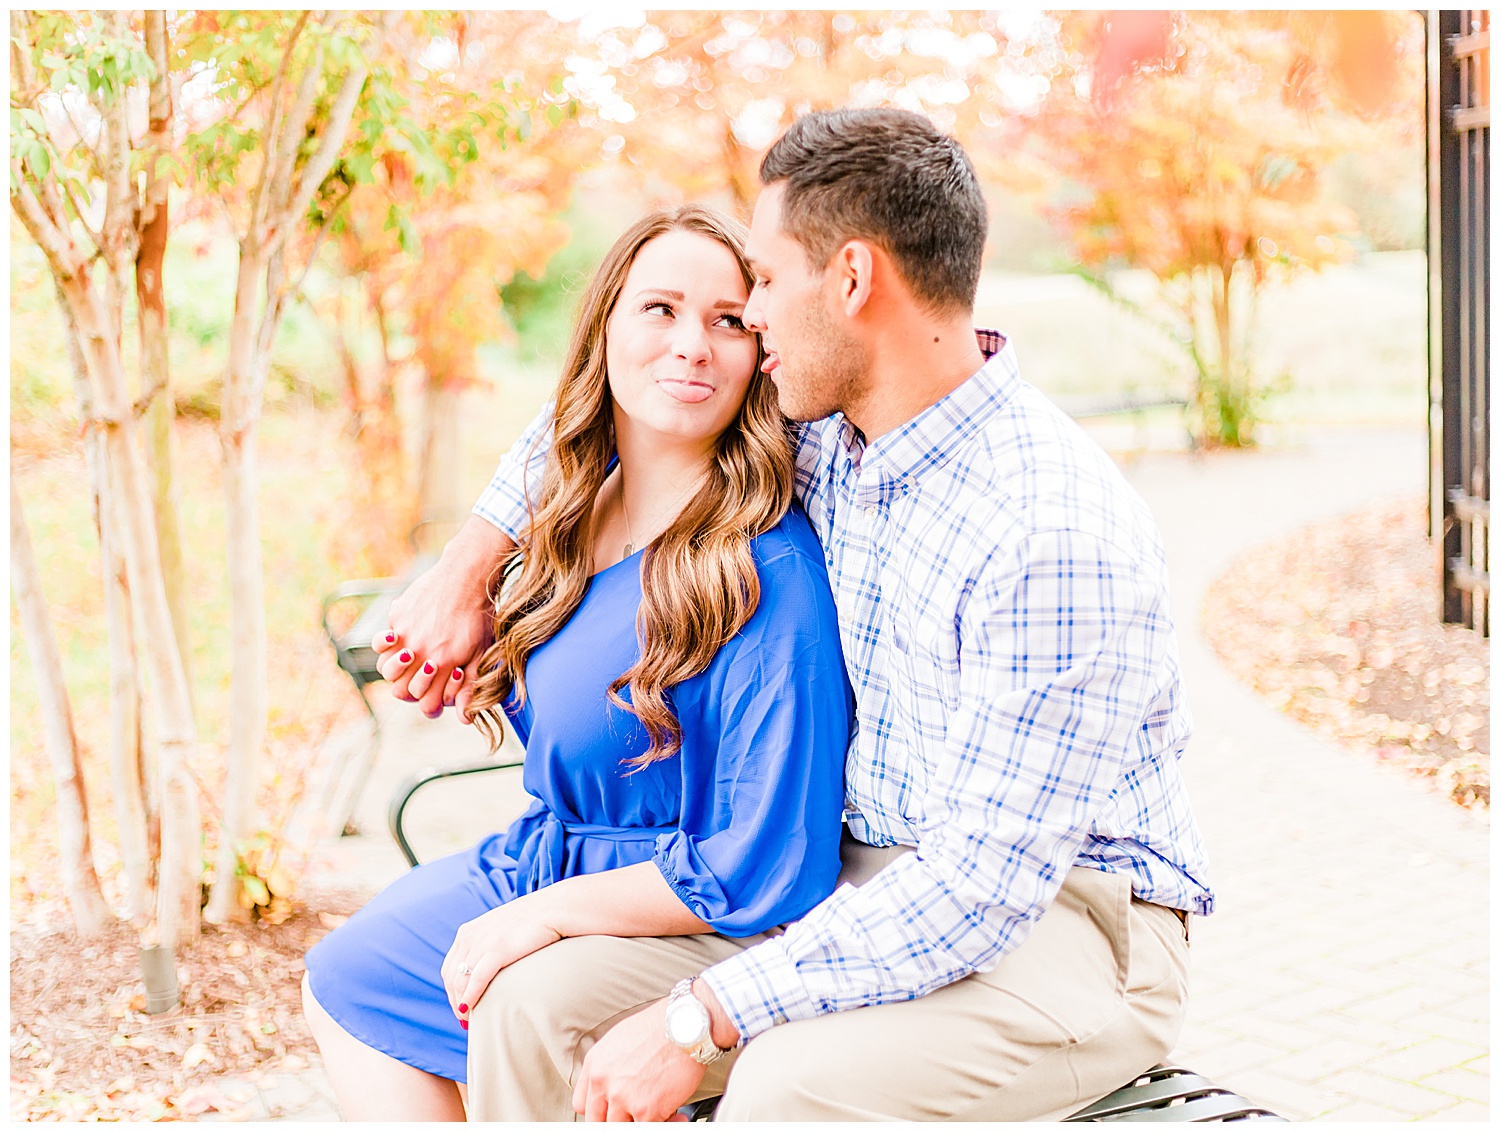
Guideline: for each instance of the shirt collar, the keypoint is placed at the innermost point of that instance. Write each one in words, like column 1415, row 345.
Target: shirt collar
column 896, row 462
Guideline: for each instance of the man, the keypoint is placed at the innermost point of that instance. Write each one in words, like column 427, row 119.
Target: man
column 1021, row 857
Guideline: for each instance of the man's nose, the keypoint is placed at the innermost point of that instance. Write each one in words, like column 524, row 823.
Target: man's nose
column 754, row 317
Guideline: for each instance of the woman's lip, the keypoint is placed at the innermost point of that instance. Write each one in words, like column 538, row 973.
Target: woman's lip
column 690, row 392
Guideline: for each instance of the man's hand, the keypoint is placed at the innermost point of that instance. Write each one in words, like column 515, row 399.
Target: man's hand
column 635, row 1073
column 443, row 622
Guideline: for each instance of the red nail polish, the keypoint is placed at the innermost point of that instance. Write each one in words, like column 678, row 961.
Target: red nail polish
column 390, row 638
column 462, row 1023
column 427, row 667
column 463, row 1007
column 405, row 657
column 458, row 674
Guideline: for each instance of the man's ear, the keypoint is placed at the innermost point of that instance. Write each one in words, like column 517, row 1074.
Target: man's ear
column 854, row 270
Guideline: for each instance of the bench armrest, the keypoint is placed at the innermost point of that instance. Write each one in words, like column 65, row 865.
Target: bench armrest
column 425, row 777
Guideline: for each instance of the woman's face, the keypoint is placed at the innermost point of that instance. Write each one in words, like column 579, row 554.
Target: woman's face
column 678, row 356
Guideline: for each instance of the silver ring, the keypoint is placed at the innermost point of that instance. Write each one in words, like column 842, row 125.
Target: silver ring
column 465, row 970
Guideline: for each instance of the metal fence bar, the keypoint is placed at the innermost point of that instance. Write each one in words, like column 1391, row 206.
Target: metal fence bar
column 1458, row 249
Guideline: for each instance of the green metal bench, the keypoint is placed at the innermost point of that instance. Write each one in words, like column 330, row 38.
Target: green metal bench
column 351, row 639
column 423, row 778
column 1167, row 1092
column 1170, row 1092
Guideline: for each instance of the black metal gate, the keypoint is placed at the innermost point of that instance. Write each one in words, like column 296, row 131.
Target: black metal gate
column 1458, row 251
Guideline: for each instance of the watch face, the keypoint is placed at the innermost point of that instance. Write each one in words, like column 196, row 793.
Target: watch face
column 685, row 1024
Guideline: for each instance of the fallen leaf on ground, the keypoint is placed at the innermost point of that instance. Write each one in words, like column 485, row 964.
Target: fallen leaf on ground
column 200, row 1098
column 197, row 1054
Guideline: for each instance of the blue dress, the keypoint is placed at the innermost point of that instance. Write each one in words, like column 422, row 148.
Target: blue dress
column 743, row 822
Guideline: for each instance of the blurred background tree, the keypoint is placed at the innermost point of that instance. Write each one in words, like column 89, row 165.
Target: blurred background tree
column 75, row 167
column 1196, row 146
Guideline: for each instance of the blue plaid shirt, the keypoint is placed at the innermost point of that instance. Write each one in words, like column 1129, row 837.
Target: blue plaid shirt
column 1002, row 598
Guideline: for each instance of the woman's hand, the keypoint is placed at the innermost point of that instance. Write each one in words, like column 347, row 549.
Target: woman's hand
column 443, row 621
column 488, row 943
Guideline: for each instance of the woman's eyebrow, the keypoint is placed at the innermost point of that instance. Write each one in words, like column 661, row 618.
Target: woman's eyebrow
column 721, row 305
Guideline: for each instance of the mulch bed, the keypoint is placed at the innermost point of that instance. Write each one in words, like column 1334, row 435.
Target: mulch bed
column 1338, row 626
column 83, row 1048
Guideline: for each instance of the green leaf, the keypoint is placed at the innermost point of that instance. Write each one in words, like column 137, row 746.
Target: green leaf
column 406, row 234
column 554, row 114
column 361, row 166
column 33, row 153
column 257, row 889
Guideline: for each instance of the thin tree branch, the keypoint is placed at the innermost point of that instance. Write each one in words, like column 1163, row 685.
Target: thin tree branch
column 312, row 254
column 273, row 131
column 295, row 128
column 20, row 50
column 271, row 317
column 48, row 234
column 140, row 406
column 119, row 196
column 47, row 195
column 82, row 139
column 322, row 161
column 95, row 237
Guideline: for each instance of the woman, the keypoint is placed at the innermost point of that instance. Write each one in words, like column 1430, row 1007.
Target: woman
column 667, row 651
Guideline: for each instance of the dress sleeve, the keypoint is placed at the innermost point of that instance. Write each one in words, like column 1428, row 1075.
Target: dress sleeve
column 764, row 739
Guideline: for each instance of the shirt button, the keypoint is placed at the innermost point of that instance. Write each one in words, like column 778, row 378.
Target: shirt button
column 870, row 511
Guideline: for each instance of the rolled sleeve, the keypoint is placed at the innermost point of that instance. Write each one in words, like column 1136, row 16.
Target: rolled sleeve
column 506, row 501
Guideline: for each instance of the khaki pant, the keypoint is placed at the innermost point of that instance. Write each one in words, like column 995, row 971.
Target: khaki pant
column 1095, row 995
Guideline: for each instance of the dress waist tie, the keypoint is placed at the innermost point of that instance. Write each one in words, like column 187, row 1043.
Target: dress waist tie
column 544, row 856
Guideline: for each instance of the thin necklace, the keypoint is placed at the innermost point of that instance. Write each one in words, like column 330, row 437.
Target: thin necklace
column 630, row 547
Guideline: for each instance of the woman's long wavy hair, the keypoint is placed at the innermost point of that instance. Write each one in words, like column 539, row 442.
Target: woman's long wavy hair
column 698, row 579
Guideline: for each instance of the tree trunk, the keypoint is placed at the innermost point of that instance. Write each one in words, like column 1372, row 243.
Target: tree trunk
column 136, row 839
column 1221, row 279
column 37, row 200
column 75, row 852
column 151, row 317
column 279, row 204
column 179, row 870
column 437, row 485
column 243, row 388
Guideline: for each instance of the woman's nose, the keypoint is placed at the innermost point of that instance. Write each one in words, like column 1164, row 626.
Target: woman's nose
column 690, row 341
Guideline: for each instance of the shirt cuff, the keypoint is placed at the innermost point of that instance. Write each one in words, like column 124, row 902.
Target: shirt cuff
column 502, row 503
column 503, row 518
column 759, row 989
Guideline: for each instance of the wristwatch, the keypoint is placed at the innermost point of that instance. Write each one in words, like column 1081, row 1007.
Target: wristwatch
column 689, row 1027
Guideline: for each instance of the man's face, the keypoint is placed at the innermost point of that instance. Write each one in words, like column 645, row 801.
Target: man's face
column 817, row 365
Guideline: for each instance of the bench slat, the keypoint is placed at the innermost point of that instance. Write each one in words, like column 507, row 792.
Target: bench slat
column 1153, row 1092
column 1216, row 1107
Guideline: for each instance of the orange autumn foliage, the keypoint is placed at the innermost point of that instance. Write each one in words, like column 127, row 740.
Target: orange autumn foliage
column 1194, row 146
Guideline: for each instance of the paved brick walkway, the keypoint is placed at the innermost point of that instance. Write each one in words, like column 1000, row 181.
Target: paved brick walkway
column 1346, row 973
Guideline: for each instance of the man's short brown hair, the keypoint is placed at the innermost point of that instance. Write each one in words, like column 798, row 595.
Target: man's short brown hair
column 890, row 177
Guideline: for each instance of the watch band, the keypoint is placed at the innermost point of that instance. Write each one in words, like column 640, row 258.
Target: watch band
column 703, row 1051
